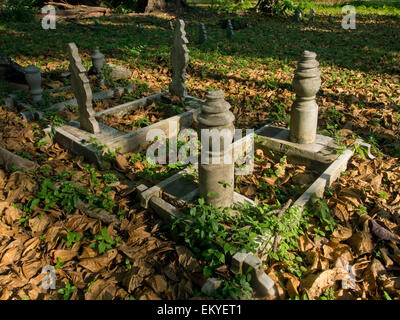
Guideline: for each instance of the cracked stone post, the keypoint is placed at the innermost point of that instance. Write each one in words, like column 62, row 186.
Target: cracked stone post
column 202, row 33
column 83, row 93
column 304, row 114
column 179, row 61
column 229, row 29
column 216, row 168
column 98, row 66
column 34, row 79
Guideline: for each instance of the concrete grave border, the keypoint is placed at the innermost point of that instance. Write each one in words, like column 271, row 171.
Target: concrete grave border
column 277, row 139
column 78, row 141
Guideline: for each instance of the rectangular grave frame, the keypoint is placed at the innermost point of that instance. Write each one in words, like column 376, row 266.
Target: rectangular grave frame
column 79, row 141
column 323, row 152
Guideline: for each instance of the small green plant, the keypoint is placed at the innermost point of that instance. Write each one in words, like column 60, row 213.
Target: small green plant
column 67, row 291
column 141, row 123
column 72, row 238
column 386, row 296
column 362, row 210
column 24, row 220
column 109, row 178
column 59, row 263
column 104, row 242
column 329, row 294
column 323, row 213
column 383, row 194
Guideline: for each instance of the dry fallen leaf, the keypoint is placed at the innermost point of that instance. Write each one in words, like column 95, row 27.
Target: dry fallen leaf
column 316, row 284
column 99, row 263
column 362, row 242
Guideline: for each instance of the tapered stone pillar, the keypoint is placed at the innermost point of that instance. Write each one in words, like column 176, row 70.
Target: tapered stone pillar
column 304, row 114
column 202, row 33
column 179, row 61
column 34, row 79
column 216, row 167
column 229, row 29
column 98, row 62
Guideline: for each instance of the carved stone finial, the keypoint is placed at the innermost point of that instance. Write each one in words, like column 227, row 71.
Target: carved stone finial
column 202, row 33
column 216, row 168
column 34, row 79
column 179, row 61
column 98, row 66
column 83, row 93
column 229, row 29
column 304, row 115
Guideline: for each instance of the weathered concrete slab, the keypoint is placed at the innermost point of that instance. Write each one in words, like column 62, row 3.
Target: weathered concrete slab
column 324, row 149
column 133, row 140
column 97, row 96
column 81, row 142
column 123, row 109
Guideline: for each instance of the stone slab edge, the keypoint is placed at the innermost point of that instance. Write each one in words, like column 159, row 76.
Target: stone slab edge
column 294, row 149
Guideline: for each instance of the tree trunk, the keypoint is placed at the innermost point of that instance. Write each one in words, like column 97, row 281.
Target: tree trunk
column 146, row 6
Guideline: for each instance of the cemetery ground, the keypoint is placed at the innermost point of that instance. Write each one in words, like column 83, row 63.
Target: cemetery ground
column 44, row 219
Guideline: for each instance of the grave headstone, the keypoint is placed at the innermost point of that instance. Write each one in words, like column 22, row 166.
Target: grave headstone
column 216, row 172
column 179, row 61
column 140, row 27
column 34, row 79
column 297, row 15
column 304, row 114
column 98, row 66
column 171, row 24
column 202, row 33
column 330, row 19
column 312, row 16
column 83, row 93
column 229, row 29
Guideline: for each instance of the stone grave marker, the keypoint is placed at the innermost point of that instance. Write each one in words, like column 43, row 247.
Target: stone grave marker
column 297, row 15
column 229, row 29
column 304, row 114
column 98, row 66
column 330, row 18
column 216, row 169
column 179, row 61
column 83, row 93
column 34, row 79
column 312, row 16
column 202, row 33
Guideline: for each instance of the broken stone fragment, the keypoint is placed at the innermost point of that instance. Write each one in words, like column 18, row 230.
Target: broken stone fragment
column 8, row 102
column 237, row 262
column 210, row 286
column 119, row 72
column 261, row 283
